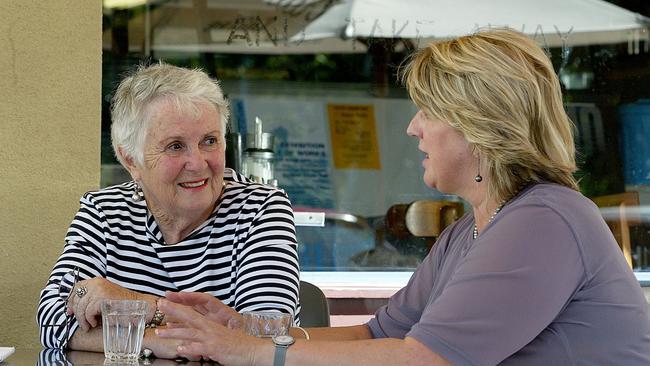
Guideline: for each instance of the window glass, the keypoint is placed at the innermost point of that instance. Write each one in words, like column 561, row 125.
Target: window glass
column 322, row 80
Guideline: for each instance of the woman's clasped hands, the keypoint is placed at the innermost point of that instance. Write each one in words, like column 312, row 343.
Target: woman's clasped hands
column 86, row 300
column 88, row 295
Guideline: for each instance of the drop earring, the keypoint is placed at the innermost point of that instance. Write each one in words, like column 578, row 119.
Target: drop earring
column 137, row 193
column 478, row 178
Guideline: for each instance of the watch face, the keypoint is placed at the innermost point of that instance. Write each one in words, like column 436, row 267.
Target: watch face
column 283, row 340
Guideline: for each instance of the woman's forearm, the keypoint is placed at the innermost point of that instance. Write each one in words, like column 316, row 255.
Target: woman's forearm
column 353, row 333
column 352, row 346
column 87, row 341
column 386, row 351
column 93, row 341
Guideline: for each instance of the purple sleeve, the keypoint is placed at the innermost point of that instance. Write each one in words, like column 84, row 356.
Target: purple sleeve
column 513, row 282
column 405, row 308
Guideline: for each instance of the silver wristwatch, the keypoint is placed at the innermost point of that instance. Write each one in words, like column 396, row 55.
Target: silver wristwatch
column 282, row 342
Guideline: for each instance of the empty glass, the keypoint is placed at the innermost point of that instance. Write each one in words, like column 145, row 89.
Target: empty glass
column 266, row 323
column 123, row 327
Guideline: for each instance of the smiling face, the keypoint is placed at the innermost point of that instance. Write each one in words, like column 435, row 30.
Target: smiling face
column 449, row 165
column 184, row 161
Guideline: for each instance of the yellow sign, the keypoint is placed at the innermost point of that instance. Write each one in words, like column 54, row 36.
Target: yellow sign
column 354, row 137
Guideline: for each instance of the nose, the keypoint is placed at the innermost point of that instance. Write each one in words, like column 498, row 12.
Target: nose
column 412, row 129
column 196, row 161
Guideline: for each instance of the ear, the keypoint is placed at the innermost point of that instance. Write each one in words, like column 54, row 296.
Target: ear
column 129, row 164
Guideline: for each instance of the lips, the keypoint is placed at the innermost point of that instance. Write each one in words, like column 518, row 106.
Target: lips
column 194, row 184
column 426, row 155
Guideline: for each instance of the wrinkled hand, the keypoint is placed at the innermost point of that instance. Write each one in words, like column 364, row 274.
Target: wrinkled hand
column 166, row 348
column 208, row 306
column 87, row 309
column 206, row 337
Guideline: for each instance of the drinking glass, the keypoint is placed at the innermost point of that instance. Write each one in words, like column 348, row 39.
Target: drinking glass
column 123, row 327
column 266, row 323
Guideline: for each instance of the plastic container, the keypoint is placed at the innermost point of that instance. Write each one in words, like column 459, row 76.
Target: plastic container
column 635, row 142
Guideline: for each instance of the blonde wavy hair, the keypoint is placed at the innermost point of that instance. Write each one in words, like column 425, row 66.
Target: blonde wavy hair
column 499, row 89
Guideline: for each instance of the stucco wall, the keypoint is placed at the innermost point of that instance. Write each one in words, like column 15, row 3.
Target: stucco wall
column 50, row 91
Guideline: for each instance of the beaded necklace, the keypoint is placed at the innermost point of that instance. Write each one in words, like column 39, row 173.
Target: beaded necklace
column 498, row 209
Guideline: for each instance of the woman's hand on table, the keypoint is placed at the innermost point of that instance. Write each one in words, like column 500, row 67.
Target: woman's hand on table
column 208, row 306
column 206, row 337
column 87, row 308
column 166, row 348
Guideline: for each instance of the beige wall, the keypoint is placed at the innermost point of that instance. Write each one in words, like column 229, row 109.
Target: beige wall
column 50, row 94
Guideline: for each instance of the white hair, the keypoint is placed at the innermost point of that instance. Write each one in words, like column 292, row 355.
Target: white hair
column 130, row 107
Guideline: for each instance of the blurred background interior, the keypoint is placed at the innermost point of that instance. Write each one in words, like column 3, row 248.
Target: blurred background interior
column 321, row 75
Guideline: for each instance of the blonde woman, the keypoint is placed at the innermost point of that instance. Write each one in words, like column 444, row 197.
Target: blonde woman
column 530, row 276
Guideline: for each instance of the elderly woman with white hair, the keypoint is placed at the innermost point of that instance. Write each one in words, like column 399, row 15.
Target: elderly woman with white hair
column 185, row 222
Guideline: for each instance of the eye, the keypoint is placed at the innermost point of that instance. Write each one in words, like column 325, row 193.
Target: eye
column 210, row 140
column 175, row 146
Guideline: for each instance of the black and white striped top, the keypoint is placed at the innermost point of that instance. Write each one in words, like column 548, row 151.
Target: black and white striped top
column 245, row 253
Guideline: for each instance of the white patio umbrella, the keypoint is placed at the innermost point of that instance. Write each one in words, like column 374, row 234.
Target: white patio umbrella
column 552, row 23
column 223, row 26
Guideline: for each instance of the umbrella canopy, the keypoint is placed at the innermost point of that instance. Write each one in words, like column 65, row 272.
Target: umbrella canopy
column 551, row 22
column 220, row 26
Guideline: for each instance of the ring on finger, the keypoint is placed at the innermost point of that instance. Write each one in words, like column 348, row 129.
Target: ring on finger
column 81, row 291
column 146, row 352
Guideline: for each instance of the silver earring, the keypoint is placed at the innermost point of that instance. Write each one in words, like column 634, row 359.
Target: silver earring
column 137, row 193
column 478, row 178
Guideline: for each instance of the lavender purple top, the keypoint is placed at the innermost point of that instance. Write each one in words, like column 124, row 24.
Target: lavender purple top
column 544, row 284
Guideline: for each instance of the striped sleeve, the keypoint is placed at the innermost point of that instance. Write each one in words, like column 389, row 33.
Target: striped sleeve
column 84, row 250
column 49, row 356
column 268, row 273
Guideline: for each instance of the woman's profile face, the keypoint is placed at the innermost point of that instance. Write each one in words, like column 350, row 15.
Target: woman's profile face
column 448, row 161
column 184, row 160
